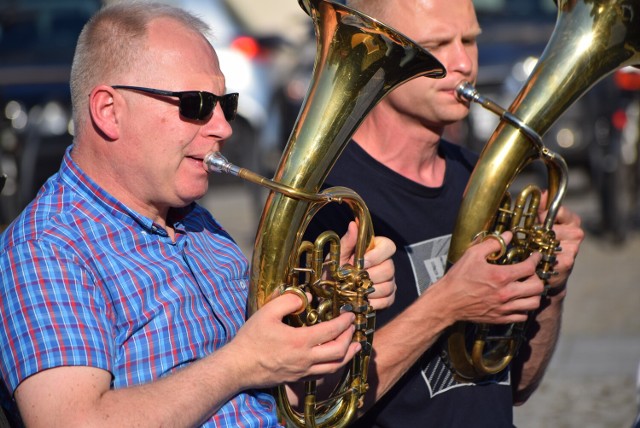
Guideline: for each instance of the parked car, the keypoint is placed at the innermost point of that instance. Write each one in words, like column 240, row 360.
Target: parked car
column 617, row 175
column 37, row 41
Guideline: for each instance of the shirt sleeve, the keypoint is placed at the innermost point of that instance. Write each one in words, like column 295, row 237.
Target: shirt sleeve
column 53, row 313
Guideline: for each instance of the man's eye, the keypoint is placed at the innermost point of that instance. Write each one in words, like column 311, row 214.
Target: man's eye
column 432, row 47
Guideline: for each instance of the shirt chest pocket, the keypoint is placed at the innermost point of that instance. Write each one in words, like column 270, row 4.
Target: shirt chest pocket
column 224, row 287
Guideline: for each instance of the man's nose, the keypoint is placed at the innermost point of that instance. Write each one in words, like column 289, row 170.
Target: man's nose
column 217, row 125
column 461, row 59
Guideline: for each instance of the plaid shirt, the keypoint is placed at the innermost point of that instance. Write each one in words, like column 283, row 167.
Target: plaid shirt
column 87, row 281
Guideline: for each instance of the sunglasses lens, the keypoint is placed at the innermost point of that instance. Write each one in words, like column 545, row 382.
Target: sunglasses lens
column 229, row 104
column 208, row 104
column 193, row 106
column 200, row 105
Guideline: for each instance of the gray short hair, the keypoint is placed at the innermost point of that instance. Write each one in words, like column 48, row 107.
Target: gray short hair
column 112, row 43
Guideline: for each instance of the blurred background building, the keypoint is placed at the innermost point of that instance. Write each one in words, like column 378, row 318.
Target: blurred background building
column 267, row 49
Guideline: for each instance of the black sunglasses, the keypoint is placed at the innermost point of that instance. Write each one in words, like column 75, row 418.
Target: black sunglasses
column 195, row 105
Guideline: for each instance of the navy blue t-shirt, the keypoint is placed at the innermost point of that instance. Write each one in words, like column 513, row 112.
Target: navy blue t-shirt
column 420, row 221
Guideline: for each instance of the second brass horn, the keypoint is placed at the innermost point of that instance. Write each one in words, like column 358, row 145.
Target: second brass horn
column 591, row 39
column 358, row 61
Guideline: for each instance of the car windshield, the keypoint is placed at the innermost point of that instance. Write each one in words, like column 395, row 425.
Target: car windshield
column 515, row 9
column 224, row 22
column 41, row 31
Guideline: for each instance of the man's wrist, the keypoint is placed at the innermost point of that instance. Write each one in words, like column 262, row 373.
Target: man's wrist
column 558, row 290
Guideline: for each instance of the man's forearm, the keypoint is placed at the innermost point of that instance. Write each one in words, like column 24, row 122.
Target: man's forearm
column 530, row 365
column 399, row 344
column 80, row 396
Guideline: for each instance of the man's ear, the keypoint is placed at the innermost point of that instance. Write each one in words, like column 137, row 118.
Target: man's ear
column 103, row 109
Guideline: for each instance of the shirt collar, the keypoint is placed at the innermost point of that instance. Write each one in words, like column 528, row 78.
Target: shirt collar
column 77, row 179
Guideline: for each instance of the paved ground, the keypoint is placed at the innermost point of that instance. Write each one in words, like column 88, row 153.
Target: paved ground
column 591, row 380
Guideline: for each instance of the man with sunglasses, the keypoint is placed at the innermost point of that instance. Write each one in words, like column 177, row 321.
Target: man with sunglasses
column 122, row 300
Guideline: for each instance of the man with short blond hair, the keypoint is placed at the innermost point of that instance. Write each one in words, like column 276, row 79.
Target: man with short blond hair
column 413, row 182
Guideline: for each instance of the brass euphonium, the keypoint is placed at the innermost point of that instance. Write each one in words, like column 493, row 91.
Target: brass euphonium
column 358, row 61
column 591, row 39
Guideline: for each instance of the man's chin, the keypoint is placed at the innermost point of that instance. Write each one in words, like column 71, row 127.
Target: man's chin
column 455, row 115
column 192, row 195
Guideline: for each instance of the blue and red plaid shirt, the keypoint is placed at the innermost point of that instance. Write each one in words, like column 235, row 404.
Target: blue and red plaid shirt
column 87, row 281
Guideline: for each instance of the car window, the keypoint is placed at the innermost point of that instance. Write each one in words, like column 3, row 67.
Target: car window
column 41, row 31
column 225, row 24
column 515, row 9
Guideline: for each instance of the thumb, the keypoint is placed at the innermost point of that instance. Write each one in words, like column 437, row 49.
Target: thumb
column 287, row 304
column 348, row 243
column 381, row 249
column 494, row 246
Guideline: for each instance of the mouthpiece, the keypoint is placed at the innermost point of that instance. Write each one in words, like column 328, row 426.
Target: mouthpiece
column 215, row 162
column 465, row 92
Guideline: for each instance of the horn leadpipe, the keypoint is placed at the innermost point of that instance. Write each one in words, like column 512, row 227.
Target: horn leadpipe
column 465, row 91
